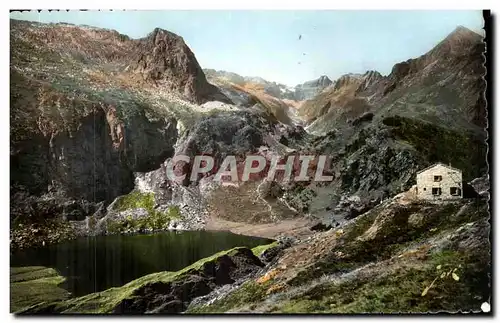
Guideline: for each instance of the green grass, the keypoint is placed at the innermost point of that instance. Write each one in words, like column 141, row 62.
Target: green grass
column 23, row 274
column 362, row 223
column 106, row 301
column 323, row 267
column 259, row 250
column 395, row 289
column 155, row 220
column 401, row 290
column 33, row 285
column 136, row 200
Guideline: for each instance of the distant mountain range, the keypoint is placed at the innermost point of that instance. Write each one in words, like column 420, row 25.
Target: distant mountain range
column 300, row 92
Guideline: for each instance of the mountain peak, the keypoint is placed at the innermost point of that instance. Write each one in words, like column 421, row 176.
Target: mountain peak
column 460, row 40
column 462, row 32
column 324, row 79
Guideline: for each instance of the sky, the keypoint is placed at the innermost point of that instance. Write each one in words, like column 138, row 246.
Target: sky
column 288, row 47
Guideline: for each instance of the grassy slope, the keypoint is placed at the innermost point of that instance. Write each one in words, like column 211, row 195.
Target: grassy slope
column 32, row 285
column 104, row 302
column 378, row 263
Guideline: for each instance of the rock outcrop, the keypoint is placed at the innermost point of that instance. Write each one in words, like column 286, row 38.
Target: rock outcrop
column 90, row 153
column 236, row 133
column 164, row 58
column 310, row 89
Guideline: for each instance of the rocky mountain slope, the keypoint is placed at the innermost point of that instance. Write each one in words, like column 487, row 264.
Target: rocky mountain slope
column 163, row 57
column 444, row 85
column 401, row 256
column 70, row 83
column 93, row 112
column 380, row 130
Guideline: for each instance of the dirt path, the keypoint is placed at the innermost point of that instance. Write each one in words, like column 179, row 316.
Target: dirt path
column 293, row 227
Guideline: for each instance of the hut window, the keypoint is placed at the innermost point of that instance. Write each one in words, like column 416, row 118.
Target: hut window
column 436, row 191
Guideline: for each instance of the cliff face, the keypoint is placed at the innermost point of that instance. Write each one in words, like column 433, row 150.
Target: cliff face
column 81, row 118
column 82, row 123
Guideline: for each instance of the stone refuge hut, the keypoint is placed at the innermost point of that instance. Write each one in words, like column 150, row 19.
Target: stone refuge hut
column 439, row 182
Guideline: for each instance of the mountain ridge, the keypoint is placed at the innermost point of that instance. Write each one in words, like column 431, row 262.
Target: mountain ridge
column 460, row 53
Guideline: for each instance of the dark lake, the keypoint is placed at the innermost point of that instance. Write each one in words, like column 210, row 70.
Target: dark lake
column 94, row 264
